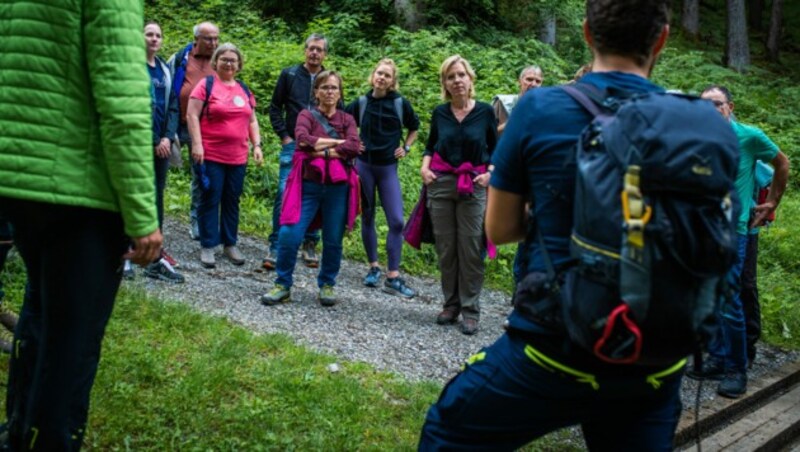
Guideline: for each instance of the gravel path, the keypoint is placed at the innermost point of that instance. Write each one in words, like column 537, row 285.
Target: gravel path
column 391, row 333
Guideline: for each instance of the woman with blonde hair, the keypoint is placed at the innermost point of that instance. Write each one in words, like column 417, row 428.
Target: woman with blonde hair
column 381, row 115
column 456, row 169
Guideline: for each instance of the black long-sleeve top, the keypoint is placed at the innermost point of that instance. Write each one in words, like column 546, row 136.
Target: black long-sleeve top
column 293, row 93
column 471, row 140
column 382, row 131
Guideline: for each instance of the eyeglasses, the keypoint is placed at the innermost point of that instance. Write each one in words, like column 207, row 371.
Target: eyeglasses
column 315, row 49
column 718, row 103
column 328, row 88
column 210, row 38
column 229, row 60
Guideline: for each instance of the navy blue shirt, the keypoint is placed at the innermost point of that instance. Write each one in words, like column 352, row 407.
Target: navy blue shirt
column 535, row 159
column 158, row 92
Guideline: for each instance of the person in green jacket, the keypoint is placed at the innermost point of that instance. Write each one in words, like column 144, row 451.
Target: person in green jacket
column 76, row 182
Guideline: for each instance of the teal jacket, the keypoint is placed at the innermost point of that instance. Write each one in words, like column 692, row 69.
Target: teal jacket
column 75, row 107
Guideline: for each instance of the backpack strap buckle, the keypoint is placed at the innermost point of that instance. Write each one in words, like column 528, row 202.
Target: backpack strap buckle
column 635, row 212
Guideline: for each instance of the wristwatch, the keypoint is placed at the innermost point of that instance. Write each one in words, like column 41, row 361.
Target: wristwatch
column 407, row 148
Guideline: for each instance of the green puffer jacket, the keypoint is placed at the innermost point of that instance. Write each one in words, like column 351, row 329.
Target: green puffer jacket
column 75, row 107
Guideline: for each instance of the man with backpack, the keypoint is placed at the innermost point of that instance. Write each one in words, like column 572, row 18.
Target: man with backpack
column 540, row 375
column 189, row 66
column 293, row 93
column 728, row 354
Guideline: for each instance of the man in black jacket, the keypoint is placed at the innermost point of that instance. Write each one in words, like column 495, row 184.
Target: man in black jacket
column 293, row 93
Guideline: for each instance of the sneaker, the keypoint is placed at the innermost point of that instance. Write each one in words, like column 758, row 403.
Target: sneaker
column 277, row 295
column 397, row 286
column 733, row 386
column 194, row 229
column 234, row 255
column 8, row 318
column 127, row 270
column 711, row 369
column 373, row 277
column 327, row 296
column 309, row 252
column 448, row 315
column 469, row 326
column 171, row 260
column 270, row 261
column 207, row 258
column 162, row 270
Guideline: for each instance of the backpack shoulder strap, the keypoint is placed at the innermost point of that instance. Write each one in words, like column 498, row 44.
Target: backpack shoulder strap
column 324, row 122
column 587, row 96
column 246, row 92
column 362, row 108
column 398, row 108
column 209, row 87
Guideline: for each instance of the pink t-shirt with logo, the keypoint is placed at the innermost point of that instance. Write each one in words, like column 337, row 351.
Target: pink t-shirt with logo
column 225, row 125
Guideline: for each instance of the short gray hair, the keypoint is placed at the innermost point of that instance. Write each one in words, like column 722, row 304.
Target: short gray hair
column 530, row 68
column 227, row 47
column 196, row 28
column 317, row 37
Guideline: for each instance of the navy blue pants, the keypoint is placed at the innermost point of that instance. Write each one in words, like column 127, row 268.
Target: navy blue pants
column 73, row 257
column 218, row 212
column 510, row 394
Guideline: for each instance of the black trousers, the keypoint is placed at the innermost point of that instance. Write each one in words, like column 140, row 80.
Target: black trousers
column 73, row 259
column 749, row 295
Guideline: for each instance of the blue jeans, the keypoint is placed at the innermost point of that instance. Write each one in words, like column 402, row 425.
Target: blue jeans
column 287, row 151
column 730, row 345
column 220, row 201
column 503, row 400
column 331, row 202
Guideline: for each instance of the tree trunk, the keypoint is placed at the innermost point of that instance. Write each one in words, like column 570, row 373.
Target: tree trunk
column 737, row 49
column 755, row 14
column 775, row 28
column 547, row 31
column 408, row 14
column 691, row 18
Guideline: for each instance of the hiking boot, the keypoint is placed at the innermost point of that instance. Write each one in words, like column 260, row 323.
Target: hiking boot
column 163, row 271
column 127, row 270
column 194, row 229
column 373, row 277
column 279, row 294
column 469, row 326
column 207, row 258
column 397, row 286
column 8, row 318
column 6, row 341
column 170, row 260
column 310, row 254
column 234, row 255
column 448, row 315
column 327, row 296
column 270, row 261
column 711, row 369
column 733, row 386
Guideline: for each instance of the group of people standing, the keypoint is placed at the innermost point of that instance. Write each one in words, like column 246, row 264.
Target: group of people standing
column 334, row 160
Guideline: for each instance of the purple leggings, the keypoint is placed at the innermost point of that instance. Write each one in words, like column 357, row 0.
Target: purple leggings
column 388, row 185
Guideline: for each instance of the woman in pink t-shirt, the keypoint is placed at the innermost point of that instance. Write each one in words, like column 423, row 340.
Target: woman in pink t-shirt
column 220, row 124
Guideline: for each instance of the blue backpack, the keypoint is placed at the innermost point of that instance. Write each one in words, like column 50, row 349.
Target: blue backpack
column 653, row 227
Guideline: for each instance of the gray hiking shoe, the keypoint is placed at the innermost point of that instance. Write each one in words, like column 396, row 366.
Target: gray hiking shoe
column 234, row 255
column 327, row 296
column 207, row 258
column 277, row 295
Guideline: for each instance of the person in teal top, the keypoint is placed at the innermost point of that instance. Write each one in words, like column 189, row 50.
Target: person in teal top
column 728, row 352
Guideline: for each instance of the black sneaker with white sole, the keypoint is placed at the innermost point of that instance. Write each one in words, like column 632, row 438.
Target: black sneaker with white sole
column 163, row 271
